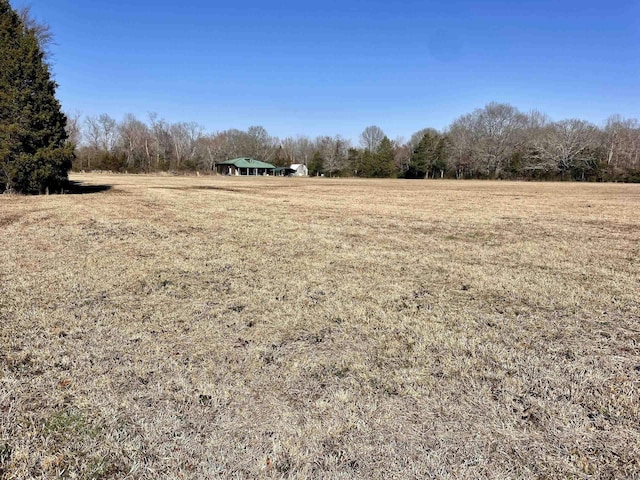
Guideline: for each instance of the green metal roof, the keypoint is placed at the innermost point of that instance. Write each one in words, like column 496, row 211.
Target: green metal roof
column 245, row 162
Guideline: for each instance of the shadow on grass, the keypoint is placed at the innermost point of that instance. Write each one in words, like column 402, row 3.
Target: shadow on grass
column 79, row 188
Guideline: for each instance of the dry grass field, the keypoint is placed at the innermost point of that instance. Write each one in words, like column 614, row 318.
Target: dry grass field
column 203, row 327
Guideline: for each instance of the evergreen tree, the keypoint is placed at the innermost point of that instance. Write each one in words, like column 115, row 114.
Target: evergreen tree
column 367, row 164
column 418, row 162
column 423, row 155
column 279, row 159
column 34, row 155
column 440, row 157
column 316, row 165
column 383, row 160
column 354, row 161
column 429, row 156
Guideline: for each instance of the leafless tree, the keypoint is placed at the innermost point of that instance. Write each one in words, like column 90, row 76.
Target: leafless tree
column 136, row 141
column 500, row 127
column 102, row 132
column 298, row 149
column 622, row 142
column 463, row 138
column 235, row 143
column 565, row 144
column 334, row 151
column 536, row 129
column 255, row 142
column 371, row 137
column 161, row 147
column 493, row 133
column 101, row 136
column 289, row 149
column 42, row 31
column 537, row 120
column 214, row 150
column 401, row 155
column 74, row 128
column 260, row 144
column 184, row 139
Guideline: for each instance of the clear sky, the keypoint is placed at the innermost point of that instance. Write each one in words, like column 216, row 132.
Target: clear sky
column 323, row 68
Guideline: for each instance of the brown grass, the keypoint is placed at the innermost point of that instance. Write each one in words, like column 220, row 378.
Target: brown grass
column 316, row 328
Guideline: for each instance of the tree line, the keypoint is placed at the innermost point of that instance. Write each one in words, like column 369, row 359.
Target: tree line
column 39, row 143
column 497, row 141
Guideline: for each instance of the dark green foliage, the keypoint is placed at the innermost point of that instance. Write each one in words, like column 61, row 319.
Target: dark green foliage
column 367, row 163
column 279, row 159
column 441, row 157
column 378, row 164
column 383, row 160
column 316, row 165
column 34, row 155
column 419, row 164
column 429, row 157
column 514, row 165
column 354, row 162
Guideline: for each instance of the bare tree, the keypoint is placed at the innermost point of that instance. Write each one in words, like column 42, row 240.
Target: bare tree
column 74, row 128
column 92, row 132
column 288, row 149
column 102, row 132
column 298, row 149
column 463, row 138
column 371, row 137
column 537, row 120
column 260, row 144
column 500, row 128
column 184, row 139
column 234, row 143
column 101, row 136
column 213, row 150
column 136, row 141
column 622, row 143
column 161, row 147
column 493, row 133
column 401, row 155
column 533, row 158
column 566, row 145
column 255, row 142
column 334, row 151
column 42, row 31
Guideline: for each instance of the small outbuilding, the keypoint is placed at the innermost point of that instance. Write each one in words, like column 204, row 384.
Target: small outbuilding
column 295, row 170
column 299, row 170
column 244, row 166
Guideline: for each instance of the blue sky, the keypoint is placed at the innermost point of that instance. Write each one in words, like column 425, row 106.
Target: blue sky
column 338, row 66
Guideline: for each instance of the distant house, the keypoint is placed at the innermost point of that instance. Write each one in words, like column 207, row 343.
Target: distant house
column 244, row 166
column 295, row 170
column 299, row 170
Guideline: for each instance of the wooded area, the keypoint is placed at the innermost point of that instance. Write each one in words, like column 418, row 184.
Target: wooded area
column 497, row 141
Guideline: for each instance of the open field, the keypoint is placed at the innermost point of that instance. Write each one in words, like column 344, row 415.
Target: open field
column 316, row 328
